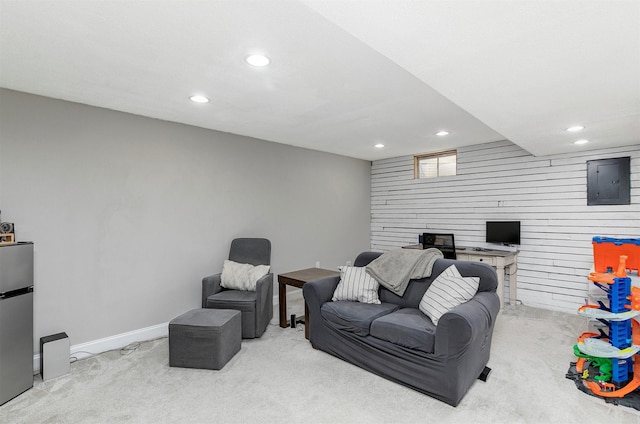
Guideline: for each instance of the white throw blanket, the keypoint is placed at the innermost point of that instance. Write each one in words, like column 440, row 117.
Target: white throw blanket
column 395, row 268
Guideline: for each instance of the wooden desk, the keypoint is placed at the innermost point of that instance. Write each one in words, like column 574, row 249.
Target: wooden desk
column 299, row 279
column 502, row 261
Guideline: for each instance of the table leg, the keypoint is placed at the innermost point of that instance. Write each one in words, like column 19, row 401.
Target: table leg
column 306, row 321
column 282, row 304
column 513, row 284
column 500, row 272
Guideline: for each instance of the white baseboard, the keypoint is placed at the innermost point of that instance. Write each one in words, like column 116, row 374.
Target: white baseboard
column 85, row 350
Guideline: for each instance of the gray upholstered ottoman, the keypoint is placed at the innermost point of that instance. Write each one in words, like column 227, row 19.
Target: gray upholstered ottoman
column 204, row 338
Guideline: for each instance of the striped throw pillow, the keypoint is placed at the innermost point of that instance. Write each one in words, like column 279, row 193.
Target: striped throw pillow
column 447, row 291
column 356, row 285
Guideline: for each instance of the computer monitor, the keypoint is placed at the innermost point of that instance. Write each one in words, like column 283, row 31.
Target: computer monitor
column 503, row 232
column 443, row 242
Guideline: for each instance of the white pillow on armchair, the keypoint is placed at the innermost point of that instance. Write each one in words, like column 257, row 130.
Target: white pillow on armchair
column 239, row 276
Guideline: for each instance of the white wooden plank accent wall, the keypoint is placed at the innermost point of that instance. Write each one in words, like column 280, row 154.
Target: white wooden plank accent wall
column 500, row 181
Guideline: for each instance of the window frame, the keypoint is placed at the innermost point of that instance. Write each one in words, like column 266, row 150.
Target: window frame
column 418, row 158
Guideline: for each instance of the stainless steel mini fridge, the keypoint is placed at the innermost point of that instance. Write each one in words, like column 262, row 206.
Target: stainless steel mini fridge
column 16, row 320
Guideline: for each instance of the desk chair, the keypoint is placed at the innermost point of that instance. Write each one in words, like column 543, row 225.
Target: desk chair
column 443, row 242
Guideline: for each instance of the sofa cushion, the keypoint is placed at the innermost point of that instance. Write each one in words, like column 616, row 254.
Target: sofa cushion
column 447, row 291
column 356, row 284
column 406, row 327
column 354, row 317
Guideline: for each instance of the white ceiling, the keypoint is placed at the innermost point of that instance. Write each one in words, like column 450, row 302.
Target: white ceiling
column 345, row 75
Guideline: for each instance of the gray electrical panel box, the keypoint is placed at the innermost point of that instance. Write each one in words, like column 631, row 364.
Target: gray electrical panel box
column 609, row 181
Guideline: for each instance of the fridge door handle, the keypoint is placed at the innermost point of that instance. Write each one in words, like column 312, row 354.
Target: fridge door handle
column 14, row 293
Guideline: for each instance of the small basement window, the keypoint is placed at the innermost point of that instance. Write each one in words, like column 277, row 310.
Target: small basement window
column 435, row 165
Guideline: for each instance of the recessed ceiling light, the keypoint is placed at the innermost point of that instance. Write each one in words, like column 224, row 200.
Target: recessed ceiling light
column 379, row 146
column 575, row 128
column 199, row 99
column 581, row 142
column 442, row 133
column 258, row 60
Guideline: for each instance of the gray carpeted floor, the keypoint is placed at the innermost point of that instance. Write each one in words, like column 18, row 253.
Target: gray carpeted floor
column 281, row 379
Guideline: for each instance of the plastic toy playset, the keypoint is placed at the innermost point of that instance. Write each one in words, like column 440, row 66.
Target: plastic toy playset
column 608, row 364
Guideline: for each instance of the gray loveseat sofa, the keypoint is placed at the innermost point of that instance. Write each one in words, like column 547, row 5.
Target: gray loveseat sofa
column 395, row 340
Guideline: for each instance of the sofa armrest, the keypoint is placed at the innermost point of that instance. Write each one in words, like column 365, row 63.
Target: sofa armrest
column 466, row 323
column 210, row 285
column 319, row 291
column 264, row 286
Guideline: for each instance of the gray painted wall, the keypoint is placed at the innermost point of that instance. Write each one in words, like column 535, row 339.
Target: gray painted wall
column 129, row 213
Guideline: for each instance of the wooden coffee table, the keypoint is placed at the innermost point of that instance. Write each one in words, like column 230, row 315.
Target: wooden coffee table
column 299, row 279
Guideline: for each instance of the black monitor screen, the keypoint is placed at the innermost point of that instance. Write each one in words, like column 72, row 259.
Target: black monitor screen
column 503, row 232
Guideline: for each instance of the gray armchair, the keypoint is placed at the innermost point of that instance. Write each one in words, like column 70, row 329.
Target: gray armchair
column 256, row 307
